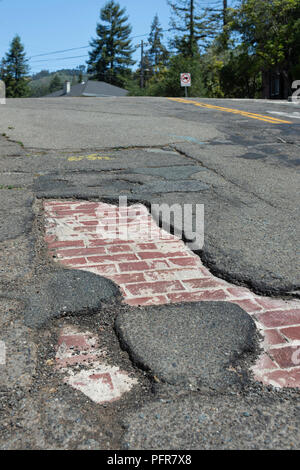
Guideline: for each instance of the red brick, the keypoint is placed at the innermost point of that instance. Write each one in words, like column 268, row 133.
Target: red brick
column 286, row 357
column 201, row 283
column 73, row 261
column 144, row 301
column 89, row 222
column 105, row 241
column 90, row 229
column 250, row 306
column 157, row 264
column 240, row 292
column 185, row 262
column 119, row 249
column 138, row 266
column 152, row 288
column 147, row 246
column 198, row 296
column 81, row 252
column 280, row 318
column 103, row 269
column 113, row 258
column 273, row 337
column 74, row 212
column 269, row 303
column 159, row 255
column 75, row 341
column 292, row 333
column 264, row 363
column 282, row 378
column 128, row 278
column 66, row 244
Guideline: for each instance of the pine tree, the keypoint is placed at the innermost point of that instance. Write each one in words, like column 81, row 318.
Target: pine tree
column 193, row 26
column 14, row 70
column 55, row 84
column 157, row 54
column 112, row 51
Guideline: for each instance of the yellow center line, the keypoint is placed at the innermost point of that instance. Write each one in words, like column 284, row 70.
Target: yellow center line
column 259, row 117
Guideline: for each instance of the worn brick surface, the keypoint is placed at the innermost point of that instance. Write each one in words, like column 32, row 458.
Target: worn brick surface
column 153, row 267
column 97, row 379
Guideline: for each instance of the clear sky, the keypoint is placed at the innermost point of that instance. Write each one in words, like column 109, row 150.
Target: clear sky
column 53, row 25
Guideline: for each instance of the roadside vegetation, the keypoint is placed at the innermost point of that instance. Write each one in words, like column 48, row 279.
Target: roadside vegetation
column 228, row 47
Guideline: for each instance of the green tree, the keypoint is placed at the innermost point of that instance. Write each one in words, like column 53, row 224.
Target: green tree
column 167, row 81
column 192, row 25
column 111, row 55
column 14, row 70
column 55, row 84
column 270, row 32
column 157, row 53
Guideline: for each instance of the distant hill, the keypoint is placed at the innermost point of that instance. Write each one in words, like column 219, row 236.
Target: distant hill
column 45, row 82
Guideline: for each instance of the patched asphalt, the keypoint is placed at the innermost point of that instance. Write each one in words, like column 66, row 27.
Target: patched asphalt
column 194, row 345
column 214, row 423
column 245, row 175
column 67, row 292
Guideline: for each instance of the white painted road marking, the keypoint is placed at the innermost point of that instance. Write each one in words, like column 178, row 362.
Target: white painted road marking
column 294, row 115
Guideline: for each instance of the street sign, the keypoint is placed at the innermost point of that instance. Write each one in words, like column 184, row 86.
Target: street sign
column 185, row 79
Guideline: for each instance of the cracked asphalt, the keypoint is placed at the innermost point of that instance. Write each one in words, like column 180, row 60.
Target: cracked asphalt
column 192, row 362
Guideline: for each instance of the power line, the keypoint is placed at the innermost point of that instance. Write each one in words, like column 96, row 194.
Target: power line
column 83, row 47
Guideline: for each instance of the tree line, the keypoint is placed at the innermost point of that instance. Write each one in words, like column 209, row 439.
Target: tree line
column 228, row 49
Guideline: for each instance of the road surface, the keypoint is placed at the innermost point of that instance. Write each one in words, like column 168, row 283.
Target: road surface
column 105, row 341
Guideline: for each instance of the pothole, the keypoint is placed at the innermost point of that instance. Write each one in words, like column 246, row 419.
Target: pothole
column 153, row 267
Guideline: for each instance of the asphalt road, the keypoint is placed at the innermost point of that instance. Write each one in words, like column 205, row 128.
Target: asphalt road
column 242, row 164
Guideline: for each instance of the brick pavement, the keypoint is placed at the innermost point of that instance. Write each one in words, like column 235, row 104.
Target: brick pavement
column 153, row 267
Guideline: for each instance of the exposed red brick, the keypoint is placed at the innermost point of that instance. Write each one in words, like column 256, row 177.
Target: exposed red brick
column 103, row 269
column 273, row 337
column 286, row 357
column 250, row 306
column 239, row 292
column 152, row 288
column 81, row 252
column 144, row 301
column 128, row 278
column 292, row 333
column 73, row 261
column 269, row 303
column 198, row 296
column 282, row 378
column 157, row 264
column 147, row 246
column 138, row 266
column 105, row 241
column 278, row 318
column 119, row 249
column 65, row 244
column 113, row 258
column 188, row 261
column 201, row 283
column 159, row 255
column 265, row 363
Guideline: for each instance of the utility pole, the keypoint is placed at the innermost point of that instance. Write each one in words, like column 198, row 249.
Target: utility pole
column 225, row 6
column 142, row 64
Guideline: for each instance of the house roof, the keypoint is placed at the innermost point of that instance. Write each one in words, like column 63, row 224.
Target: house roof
column 91, row 88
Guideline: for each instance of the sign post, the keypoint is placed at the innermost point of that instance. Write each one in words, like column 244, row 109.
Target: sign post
column 186, row 81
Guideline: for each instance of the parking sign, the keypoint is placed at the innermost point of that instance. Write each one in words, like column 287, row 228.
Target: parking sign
column 185, row 79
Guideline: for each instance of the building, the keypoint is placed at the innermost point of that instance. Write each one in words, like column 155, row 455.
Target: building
column 91, row 88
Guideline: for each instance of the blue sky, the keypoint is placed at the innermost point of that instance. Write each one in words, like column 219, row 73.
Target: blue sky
column 53, row 25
